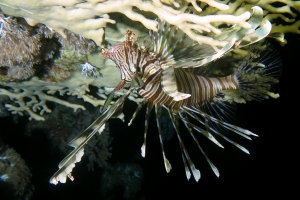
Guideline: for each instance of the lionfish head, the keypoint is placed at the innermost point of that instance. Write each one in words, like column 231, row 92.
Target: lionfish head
column 122, row 55
column 113, row 52
column 117, row 52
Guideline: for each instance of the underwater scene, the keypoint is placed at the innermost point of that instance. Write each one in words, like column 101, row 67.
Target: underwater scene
column 147, row 99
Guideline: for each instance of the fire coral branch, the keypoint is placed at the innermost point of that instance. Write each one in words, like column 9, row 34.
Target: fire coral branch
column 89, row 18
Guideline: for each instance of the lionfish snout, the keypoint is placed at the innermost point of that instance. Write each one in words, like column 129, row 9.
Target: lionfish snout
column 105, row 53
column 113, row 52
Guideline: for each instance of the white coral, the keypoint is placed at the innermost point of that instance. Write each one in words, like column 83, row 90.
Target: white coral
column 39, row 92
column 89, row 18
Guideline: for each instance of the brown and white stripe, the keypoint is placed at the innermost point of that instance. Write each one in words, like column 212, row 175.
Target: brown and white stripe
column 201, row 88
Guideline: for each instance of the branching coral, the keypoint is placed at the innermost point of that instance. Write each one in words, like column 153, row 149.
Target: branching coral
column 39, row 92
column 282, row 14
column 89, row 18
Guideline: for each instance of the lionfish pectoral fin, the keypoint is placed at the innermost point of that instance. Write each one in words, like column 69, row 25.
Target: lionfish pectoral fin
column 236, row 37
column 107, row 102
column 206, row 134
column 257, row 35
column 186, row 158
column 137, row 110
column 157, row 116
column 143, row 150
column 243, row 33
column 68, row 163
column 137, row 81
column 119, row 114
column 184, row 118
column 255, row 20
column 111, row 96
column 167, row 165
column 235, row 129
column 169, row 85
column 147, row 117
column 222, row 107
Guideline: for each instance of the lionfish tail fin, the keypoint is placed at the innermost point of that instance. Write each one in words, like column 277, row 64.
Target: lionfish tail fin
column 255, row 78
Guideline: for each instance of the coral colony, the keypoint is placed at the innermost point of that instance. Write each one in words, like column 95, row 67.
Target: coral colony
column 51, row 48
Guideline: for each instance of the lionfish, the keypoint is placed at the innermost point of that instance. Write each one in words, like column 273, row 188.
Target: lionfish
column 161, row 67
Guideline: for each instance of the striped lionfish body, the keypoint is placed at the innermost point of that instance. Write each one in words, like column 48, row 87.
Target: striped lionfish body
column 133, row 61
column 161, row 68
